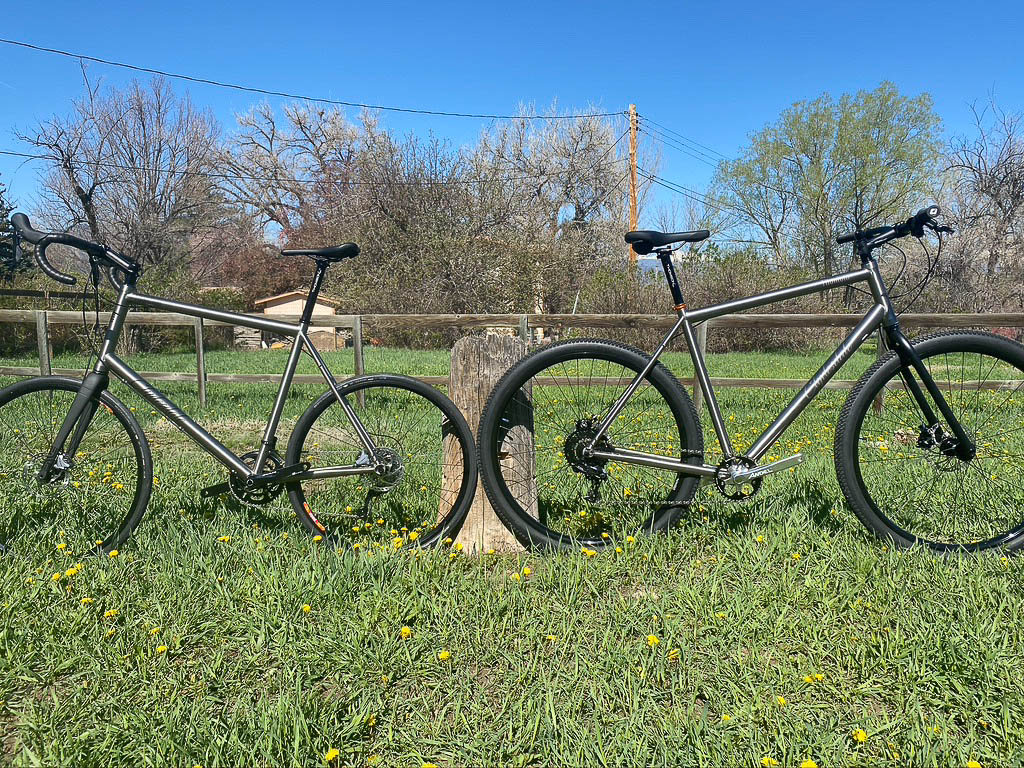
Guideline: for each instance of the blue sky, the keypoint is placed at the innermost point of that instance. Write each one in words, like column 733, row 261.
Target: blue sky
column 713, row 72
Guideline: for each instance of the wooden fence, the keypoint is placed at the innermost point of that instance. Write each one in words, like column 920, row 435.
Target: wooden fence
column 522, row 323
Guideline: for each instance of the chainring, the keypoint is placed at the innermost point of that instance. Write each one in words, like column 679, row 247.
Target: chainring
column 729, row 488
column 263, row 494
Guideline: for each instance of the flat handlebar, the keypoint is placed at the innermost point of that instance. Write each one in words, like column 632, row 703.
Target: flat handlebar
column 915, row 225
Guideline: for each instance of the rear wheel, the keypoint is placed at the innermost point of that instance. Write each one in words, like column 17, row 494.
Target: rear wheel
column 542, row 415
column 901, row 475
column 96, row 495
column 421, row 499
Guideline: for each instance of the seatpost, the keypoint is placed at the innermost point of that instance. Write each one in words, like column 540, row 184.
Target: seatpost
column 314, row 293
column 670, row 276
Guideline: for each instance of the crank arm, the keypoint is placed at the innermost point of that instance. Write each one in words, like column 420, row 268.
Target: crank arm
column 767, row 469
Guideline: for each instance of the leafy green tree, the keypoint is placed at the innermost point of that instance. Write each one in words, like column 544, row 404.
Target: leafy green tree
column 827, row 165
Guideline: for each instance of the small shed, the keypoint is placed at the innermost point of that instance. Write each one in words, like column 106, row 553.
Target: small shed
column 292, row 303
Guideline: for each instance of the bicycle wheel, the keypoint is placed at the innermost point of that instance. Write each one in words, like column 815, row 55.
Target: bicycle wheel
column 94, row 502
column 421, row 500
column 903, row 480
column 546, row 408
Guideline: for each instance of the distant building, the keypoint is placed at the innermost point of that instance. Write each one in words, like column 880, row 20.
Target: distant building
column 292, row 303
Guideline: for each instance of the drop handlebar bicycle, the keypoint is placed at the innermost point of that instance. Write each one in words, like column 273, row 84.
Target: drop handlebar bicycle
column 376, row 456
column 584, row 442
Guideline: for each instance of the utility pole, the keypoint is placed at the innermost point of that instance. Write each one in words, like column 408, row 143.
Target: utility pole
column 632, row 176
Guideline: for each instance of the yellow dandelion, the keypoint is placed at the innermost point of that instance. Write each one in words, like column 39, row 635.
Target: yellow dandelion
column 673, row 655
column 860, row 735
column 86, row 601
column 726, row 718
column 62, row 546
column 973, row 764
column 318, row 537
column 769, row 762
column 796, row 555
column 331, row 755
column 397, row 542
column 161, row 649
column 406, row 633
column 444, row 655
column 306, row 608
column 154, row 631
column 630, row 540
column 56, row 576
column 224, row 539
column 652, row 640
column 808, row 763
column 551, row 638
column 781, row 700
column 413, row 536
column 527, row 571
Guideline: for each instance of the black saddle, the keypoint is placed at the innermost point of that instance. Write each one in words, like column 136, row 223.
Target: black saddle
column 646, row 240
column 334, row 253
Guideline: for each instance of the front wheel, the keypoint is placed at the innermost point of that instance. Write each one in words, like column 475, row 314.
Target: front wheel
column 422, row 497
column 97, row 492
column 903, row 477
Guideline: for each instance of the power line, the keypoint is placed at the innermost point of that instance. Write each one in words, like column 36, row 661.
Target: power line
column 246, row 177
column 685, row 138
column 287, row 95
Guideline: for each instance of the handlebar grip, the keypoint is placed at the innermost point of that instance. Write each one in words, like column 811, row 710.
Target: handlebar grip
column 48, row 268
column 112, row 277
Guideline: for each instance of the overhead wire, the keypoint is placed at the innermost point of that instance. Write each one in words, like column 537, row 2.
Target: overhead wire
column 285, row 94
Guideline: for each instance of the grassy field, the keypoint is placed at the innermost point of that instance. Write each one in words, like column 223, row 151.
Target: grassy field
column 772, row 632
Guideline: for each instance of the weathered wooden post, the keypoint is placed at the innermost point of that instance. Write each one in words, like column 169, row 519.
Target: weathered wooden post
column 43, row 343
column 477, row 364
column 200, row 361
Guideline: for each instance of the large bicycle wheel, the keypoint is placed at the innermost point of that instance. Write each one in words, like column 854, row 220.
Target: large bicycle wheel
column 901, row 475
column 98, row 493
column 542, row 413
column 423, row 497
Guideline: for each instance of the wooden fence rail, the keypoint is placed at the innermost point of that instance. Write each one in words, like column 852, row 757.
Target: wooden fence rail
column 43, row 319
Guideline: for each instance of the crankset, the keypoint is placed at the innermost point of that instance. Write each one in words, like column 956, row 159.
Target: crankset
column 259, row 489
column 739, row 477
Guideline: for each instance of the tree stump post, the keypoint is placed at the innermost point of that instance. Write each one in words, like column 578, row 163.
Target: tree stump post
column 477, row 364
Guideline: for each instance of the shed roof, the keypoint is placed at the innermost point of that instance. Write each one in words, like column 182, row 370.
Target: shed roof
column 292, row 295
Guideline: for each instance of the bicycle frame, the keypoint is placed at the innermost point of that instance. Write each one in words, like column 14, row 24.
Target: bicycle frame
column 81, row 411
column 880, row 315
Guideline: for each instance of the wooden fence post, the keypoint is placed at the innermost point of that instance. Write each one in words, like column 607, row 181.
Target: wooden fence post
column 477, row 364
column 357, row 351
column 43, row 343
column 702, row 346
column 200, row 362
column 524, row 329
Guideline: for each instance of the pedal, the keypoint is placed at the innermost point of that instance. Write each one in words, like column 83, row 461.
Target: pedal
column 768, row 469
column 215, row 490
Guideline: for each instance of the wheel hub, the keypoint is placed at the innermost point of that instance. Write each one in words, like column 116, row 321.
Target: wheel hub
column 389, row 469
column 578, row 447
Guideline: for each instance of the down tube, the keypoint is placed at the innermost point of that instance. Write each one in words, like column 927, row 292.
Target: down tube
column 850, row 344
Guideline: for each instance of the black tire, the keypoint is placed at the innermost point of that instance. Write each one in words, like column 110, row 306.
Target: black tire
column 424, row 506
column 92, row 507
column 653, row 507
column 895, row 475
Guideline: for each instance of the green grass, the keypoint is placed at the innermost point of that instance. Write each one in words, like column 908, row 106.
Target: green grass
column 923, row 654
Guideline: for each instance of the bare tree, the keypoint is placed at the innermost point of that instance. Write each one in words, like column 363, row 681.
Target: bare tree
column 138, row 168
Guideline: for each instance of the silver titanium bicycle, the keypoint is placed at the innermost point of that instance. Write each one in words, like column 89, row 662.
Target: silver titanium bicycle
column 585, row 442
column 375, row 458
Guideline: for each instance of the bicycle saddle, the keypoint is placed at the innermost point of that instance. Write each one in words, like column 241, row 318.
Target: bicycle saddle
column 334, row 253
column 646, row 240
